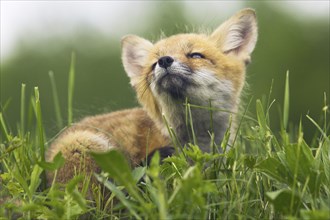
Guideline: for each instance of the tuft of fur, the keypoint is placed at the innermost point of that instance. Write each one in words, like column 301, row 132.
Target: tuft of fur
column 130, row 131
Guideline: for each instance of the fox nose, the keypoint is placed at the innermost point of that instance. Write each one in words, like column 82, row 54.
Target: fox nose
column 165, row 61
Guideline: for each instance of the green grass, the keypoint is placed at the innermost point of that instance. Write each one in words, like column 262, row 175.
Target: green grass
column 267, row 175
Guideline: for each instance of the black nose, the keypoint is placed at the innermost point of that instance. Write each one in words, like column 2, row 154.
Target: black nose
column 165, row 61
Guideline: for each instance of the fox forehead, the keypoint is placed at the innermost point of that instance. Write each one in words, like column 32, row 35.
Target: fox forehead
column 184, row 43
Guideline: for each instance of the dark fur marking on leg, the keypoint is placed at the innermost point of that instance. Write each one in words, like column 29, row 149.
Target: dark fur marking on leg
column 164, row 152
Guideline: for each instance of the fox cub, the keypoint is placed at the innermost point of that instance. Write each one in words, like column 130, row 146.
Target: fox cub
column 205, row 70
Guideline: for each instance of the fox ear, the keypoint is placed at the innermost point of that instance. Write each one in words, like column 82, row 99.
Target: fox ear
column 134, row 54
column 238, row 34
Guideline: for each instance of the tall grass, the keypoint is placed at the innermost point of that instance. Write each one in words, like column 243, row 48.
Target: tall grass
column 58, row 114
column 264, row 176
column 71, row 87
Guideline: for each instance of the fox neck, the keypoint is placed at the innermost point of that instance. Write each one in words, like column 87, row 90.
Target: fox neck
column 206, row 111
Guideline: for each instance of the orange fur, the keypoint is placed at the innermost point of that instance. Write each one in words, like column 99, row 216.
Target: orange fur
column 216, row 73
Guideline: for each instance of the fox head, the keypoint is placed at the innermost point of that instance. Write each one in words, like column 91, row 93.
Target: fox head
column 200, row 68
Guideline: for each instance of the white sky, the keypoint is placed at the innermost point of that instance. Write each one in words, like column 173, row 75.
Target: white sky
column 23, row 18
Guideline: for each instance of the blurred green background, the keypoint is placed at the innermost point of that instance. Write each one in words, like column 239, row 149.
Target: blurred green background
column 287, row 41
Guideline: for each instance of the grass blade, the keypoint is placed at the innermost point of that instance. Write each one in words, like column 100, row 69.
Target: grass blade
column 39, row 124
column 286, row 102
column 120, row 195
column 192, row 125
column 4, row 128
column 22, row 125
column 318, row 127
column 35, row 180
column 261, row 116
column 325, row 109
column 71, row 86
column 41, row 130
column 116, row 165
column 59, row 120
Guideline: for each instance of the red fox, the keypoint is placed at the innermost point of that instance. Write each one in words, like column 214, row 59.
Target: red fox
column 201, row 69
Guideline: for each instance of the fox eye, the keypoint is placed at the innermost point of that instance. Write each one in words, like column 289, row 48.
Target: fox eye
column 196, row 55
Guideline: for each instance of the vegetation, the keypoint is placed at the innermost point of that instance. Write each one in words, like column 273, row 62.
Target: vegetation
column 264, row 176
column 278, row 168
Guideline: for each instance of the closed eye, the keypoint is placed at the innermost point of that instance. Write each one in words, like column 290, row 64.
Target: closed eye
column 196, row 56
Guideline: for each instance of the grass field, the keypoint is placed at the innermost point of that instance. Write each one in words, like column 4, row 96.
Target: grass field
column 266, row 175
